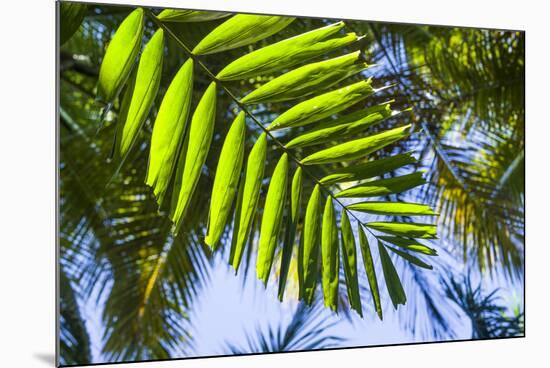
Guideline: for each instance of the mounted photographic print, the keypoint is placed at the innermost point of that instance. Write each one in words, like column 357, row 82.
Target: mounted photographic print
column 233, row 184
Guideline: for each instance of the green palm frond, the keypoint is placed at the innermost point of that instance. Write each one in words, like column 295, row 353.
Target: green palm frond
column 194, row 147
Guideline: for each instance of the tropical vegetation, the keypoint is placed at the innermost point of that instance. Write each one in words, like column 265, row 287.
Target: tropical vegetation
column 276, row 146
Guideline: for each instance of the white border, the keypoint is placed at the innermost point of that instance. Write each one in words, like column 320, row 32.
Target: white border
column 27, row 167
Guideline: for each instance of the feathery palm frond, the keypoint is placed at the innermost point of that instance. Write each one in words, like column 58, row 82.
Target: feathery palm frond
column 195, row 145
column 73, row 335
column 306, row 330
column 468, row 90
column 489, row 318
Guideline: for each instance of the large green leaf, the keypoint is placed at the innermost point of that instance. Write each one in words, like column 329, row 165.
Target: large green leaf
column 349, row 257
column 409, row 244
column 246, row 207
column 175, row 15
column 287, row 53
column 393, row 283
column 291, row 225
column 344, row 126
column 168, row 130
column 311, row 244
column 307, row 79
column 226, row 180
column 120, row 56
column 357, row 148
column 370, row 271
column 272, row 218
column 407, row 229
column 241, row 30
column 410, row 258
column 330, row 256
column 198, row 140
column 383, row 187
column 141, row 95
column 368, row 169
column 393, row 208
column 323, row 106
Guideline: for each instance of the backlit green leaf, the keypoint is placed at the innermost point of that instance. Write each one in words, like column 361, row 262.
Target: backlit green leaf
column 120, row 56
column 349, row 257
column 71, row 16
column 253, row 177
column 410, row 258
column 330, row 256
column 287, row 53
column 409, row 244
column 169, row 129
column 383, row 187
column 411, row 230
column 198, row 140
column 143, row 93
column 323, row 106
column 226, row 180
column 393, row 283
column 240, row 30
column 311, row 244
column 368, row 169
column 393, row 208
column 357, row 148
column 175, row 15
column 348, row 125
column 290, row 234
column 272, row 219
column 370, row 271
column 307, row 79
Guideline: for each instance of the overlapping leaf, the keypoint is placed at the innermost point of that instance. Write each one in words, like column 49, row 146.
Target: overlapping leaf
column 168, row 130
column 272, row 218
column 370, row 271
column 307, row 79
column 226, row 180
column 344, row 126
column 291, row 225
column 410, row 258
column 311, row 245
column 323, row 106
column 330, row 256
column 368, row 169
column 287, row 53
column 349, row 257
column 140, row 95
column 176, row 15
column 357, row 148
column 241, row 30
column 198, row 140
column 246, row 206
column 393, row 283
column 409, row 244
column 393, row 208
column 407, row 229
column 383, row 187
